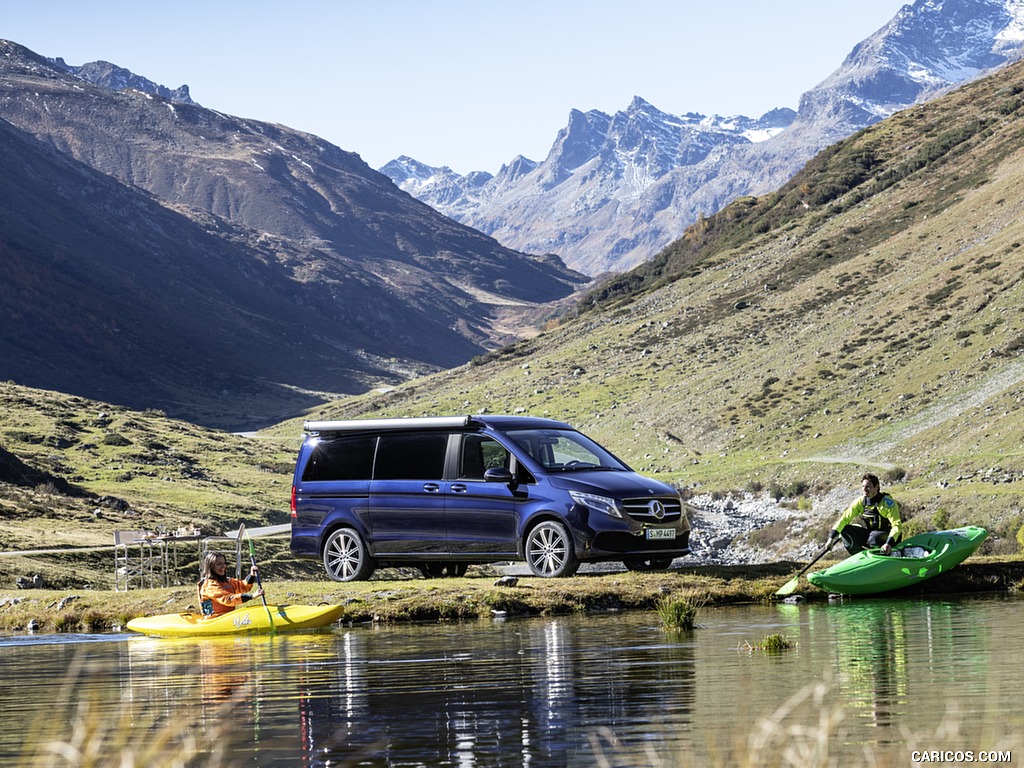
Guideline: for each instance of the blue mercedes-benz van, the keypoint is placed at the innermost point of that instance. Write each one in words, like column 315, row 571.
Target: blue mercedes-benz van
column 443, row 493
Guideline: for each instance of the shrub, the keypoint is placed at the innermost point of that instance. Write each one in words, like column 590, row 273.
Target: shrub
column 789, row 490
column 680, row 612
column 770, row 534
column 771, row 644
column 65, row 622
column 913, row 527
column 775, row 644
column 893, row 475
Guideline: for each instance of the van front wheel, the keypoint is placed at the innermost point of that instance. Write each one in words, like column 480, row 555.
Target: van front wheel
column 549, row 550
column 346, row 558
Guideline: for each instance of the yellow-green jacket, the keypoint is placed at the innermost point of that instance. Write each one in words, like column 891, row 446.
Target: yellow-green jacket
column 881, row 513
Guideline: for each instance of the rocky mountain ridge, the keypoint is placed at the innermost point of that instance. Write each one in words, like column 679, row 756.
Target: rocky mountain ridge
column 115, row 78
column 605, row 199
column 643, row 138
column 161, row 254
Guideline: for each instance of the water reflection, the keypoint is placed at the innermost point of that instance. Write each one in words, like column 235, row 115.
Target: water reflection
column 890, row 652
column 545, row 692
column 531, row 695
column 871, row 645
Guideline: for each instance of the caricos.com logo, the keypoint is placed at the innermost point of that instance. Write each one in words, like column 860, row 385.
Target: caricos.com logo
column 922, row 756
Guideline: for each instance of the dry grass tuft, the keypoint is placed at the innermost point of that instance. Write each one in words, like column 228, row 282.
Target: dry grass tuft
column 84, row 736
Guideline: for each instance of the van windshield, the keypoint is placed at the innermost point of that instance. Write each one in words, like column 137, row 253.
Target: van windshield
column 564, row 450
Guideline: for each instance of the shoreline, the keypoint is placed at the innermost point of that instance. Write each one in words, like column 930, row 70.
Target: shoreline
column 482, row 595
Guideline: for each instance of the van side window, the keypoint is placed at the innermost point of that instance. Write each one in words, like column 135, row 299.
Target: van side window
column 480, row 453
column 411, row 456
column 343, row 458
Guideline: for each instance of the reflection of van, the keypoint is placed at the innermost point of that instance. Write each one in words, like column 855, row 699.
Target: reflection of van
column 442, row 493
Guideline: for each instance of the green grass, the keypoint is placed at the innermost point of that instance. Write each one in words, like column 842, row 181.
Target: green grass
column 674, row 598
column 397, row 596
column 774, row 643
column 680, row 612
column 161, row 461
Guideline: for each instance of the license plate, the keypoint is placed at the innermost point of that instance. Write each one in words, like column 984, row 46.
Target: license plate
column 661, row 533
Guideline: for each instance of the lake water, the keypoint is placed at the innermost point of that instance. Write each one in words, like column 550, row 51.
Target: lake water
column 865, row 679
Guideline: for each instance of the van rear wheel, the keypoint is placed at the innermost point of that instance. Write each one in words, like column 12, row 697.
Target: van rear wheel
column 549, row 550
column 346, row 558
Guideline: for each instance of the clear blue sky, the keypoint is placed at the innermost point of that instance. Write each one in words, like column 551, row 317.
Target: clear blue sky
column 464, row 83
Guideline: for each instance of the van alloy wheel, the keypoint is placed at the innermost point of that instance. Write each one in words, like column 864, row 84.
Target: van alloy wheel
column 345, row 556
column 549, row 550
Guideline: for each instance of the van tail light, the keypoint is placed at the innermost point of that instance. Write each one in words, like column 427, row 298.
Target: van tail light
column 294, row 512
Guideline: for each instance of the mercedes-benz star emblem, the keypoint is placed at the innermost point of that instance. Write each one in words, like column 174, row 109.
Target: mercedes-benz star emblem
column 657, row 509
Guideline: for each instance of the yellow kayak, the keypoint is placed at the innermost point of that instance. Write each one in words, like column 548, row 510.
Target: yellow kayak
column 245, row 619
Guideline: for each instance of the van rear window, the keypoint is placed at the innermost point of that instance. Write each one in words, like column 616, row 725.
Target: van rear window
column 344, row 458
column 411, row 456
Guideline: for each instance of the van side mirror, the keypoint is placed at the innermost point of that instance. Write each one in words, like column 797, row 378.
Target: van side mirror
column 500, row 475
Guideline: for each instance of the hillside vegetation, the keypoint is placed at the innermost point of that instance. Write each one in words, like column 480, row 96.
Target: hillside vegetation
column 865, row 316
column 73, row 471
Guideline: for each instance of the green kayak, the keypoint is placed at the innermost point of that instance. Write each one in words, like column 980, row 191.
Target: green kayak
column 912, row 561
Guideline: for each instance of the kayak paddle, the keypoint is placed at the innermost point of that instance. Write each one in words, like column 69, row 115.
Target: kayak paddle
column 259, row 583
column 790, row 586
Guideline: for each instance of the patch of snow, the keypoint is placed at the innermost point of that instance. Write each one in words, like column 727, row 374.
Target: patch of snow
column 762, row 134
column 1013, row 35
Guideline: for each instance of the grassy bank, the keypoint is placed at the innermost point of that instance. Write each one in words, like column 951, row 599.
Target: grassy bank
column 478, row 595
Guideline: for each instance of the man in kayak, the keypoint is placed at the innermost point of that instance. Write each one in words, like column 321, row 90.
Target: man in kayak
column 879, row 524
column 218, row 593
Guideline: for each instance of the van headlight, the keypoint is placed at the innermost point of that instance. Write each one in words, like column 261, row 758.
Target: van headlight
column 600, row 504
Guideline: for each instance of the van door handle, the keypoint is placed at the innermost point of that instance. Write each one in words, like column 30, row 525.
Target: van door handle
column 459, row 488
column 431, row 487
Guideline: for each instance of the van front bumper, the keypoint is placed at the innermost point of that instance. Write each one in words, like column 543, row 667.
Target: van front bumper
column 614, row 544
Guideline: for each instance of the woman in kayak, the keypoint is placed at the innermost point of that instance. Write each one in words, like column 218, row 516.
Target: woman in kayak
column 218, row 593
column 880, row 521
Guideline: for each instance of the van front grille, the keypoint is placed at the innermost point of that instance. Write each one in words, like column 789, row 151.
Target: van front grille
column 655, row 509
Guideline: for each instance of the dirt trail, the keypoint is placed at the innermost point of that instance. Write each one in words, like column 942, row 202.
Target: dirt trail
column 951, row 407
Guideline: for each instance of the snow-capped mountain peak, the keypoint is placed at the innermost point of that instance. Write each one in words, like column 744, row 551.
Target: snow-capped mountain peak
column 615, row 189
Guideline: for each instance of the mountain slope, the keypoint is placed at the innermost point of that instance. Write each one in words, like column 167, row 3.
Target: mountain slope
column 268, row 178
column 599, row 202
column 108, row 294
column 200, row 265
column 868, row 313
